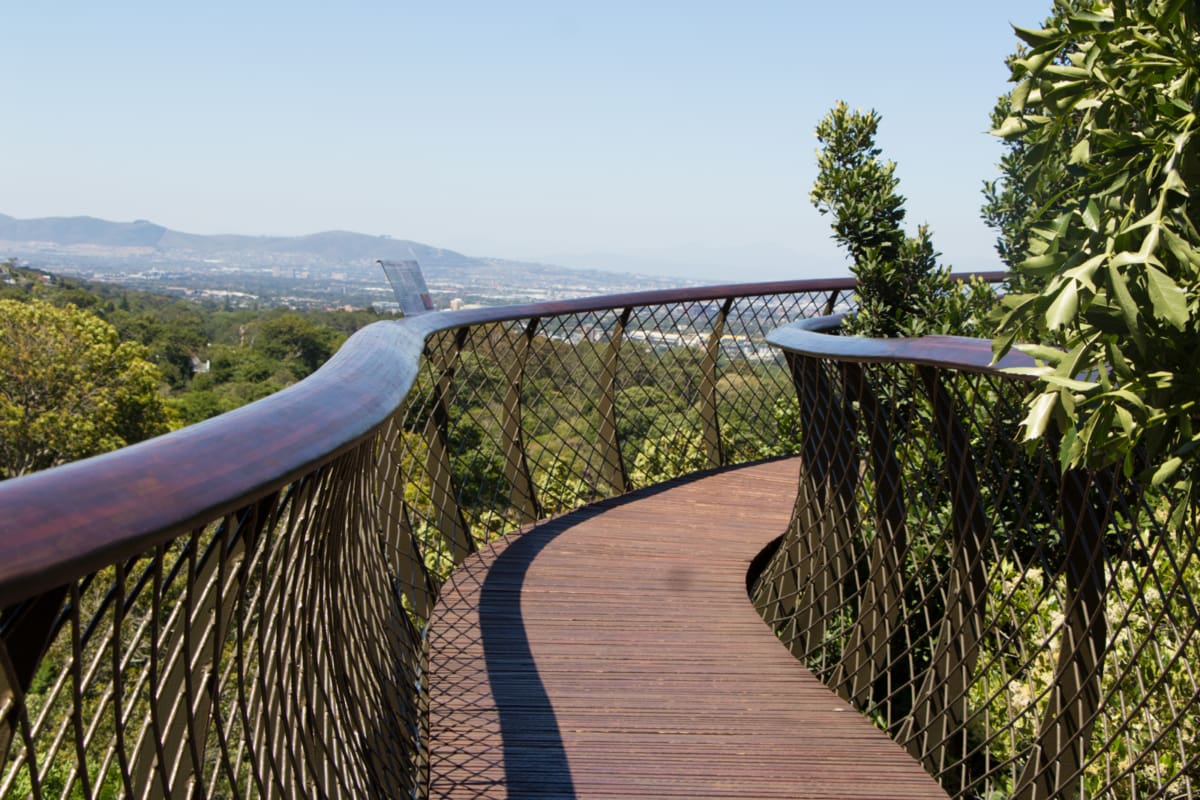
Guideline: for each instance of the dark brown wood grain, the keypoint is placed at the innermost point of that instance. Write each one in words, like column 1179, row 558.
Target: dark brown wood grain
column 614, row 653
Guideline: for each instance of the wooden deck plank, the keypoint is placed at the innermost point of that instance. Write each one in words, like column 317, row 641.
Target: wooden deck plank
column 614, row 653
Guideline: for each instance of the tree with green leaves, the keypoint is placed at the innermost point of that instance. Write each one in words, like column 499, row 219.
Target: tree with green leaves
column 1102, row 123
column 69, row 388
column 297, row 340
column 902, row 290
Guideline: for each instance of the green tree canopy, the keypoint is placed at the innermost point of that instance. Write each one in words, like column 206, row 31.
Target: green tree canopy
column 291, row 337
column 69, row 388
column 1103, row 131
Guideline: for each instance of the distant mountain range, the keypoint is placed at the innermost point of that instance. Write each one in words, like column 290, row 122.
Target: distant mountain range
column 142, row 251
column 100, row 243
column 91, row 236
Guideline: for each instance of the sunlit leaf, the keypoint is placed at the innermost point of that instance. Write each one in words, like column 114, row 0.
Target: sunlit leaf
column 1051, row 355
column 1128, row 257
column 1020, row 95
column 1064, row 71
column 1166, row 471
column 1046, row 263
column 1039, row 415
column 1167, row 298
column 1180, row 248
column 1064, row 306
column 1085, row 272
column 1012, row 126
column 1070, row 383
column 1174, row 183
column 1034, row 63
column 1037, row 38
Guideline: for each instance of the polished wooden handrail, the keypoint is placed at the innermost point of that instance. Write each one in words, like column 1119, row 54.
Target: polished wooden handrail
column 72, row 520
column 811, row 337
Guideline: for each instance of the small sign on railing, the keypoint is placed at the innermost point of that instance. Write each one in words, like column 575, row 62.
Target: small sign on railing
column 408, row 284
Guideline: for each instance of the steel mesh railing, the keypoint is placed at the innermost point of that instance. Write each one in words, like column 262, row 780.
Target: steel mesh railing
column 239, row 609
column 1021, row 631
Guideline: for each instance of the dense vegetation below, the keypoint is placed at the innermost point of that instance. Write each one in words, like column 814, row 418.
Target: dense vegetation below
column 211, row 358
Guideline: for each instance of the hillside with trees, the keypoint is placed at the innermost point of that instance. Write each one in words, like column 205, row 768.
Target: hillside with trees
column 90, row 367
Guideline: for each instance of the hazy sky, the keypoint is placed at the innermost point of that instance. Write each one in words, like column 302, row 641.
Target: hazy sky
column 515, row 129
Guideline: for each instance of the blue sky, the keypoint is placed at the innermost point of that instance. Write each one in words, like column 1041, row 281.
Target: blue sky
column 612, row 133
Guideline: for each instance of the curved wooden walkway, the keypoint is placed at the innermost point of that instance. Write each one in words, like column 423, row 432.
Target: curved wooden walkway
column 613, row 653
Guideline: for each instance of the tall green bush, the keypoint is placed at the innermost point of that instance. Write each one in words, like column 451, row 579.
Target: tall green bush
column 902, row 289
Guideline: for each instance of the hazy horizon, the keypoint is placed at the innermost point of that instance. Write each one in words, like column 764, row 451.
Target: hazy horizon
column 622, row 133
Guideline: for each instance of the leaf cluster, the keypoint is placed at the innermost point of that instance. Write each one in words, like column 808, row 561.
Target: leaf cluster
column 69, row 388
column 207, row 359
column 1105, row 108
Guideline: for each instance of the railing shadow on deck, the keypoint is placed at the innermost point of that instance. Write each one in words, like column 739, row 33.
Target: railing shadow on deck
column 533, row 756
column 535, row 760
column 239, row 608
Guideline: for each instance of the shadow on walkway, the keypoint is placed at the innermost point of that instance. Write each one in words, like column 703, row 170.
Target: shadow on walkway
column 535, row 761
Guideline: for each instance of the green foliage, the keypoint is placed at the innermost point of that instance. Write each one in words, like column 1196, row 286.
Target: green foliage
column 293, row 338
column 1033, row 177
column 1019, row 200
column 561, row 489
column 478, row 462
column 69, row 388
column 1104, row 109
column 639, row 410
column 668, row 456
column 1144, row 737
column 787, row 434
column 902, row 290
column 251, row 354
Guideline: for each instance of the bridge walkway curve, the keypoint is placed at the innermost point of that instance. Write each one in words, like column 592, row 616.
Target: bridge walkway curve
column 614, row 653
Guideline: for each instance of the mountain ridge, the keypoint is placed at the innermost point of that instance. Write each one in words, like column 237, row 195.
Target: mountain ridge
column 322, row 267
column 339, row 245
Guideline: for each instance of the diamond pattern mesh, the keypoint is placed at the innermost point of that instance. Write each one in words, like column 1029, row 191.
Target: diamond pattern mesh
column 279, row 649
column 1022, row 632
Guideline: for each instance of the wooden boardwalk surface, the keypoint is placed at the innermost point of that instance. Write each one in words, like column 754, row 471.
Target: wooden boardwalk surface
column 614, row 653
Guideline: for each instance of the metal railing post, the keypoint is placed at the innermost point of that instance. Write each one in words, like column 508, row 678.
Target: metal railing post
column 25, row 641
column 831, row 303
column 522, row 496
column 612, row 466
column 1057, row 760
column 450, row 522
column 867, row 650
column 412, row 574
column 710, row 423
column 940, row 707
column 825, row 507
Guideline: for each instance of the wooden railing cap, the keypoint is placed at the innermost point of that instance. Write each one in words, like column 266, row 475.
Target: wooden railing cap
column 811, row 337
column 75, row 519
